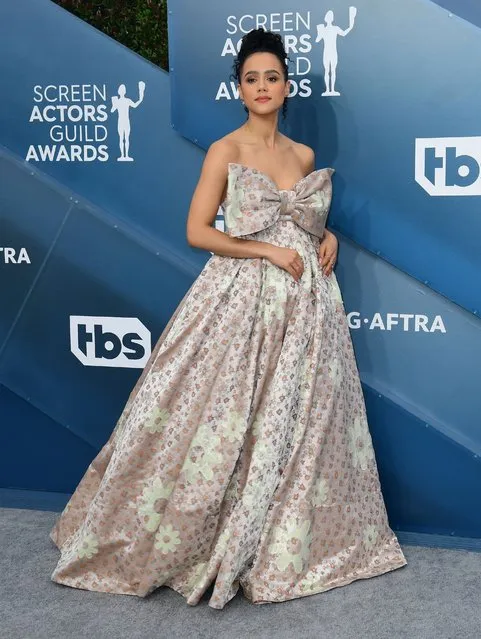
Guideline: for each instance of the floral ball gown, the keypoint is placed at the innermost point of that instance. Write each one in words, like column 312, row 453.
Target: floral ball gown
column 243, row 455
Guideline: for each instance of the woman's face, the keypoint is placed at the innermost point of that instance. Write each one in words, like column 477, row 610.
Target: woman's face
column 262, row 85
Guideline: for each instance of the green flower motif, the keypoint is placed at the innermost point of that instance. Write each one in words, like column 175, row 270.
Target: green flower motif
column 257, row 425
column 150, row 495
column 274, row 302
column 223, row 540
column 320, row 200
column 196, row 575
column 166, row 539
column 360, row 444
column 233, row 210
column 234, row 428
column 334, row 287
column 156, row 420
column 310, row 581
column 87, row 546
column 202, row 455
column 202, row 466
column 321, row 492
column 264, row 452
column 370, row 536
column 291, row 545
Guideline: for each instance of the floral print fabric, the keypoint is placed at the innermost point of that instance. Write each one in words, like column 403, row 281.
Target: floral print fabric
column 253, row 201
column 243, row 456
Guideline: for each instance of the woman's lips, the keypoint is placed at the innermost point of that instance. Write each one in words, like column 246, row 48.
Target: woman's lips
column 262, row 99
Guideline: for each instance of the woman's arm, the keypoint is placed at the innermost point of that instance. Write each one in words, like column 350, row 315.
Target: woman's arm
column 205, row 204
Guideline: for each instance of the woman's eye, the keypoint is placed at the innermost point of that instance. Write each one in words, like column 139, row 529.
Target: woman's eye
column 250, row 80
column 274, row 78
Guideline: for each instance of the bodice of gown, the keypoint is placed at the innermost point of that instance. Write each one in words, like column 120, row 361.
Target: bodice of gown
column 253, row 202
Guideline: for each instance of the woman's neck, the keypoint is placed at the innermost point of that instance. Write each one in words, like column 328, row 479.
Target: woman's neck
column 263, row 130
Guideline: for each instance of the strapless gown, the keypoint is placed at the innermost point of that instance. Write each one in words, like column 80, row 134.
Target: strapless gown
column 243, row 455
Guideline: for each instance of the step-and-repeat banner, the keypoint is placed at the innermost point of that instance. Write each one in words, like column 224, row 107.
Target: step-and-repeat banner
column 94, row 190
column 99, row 155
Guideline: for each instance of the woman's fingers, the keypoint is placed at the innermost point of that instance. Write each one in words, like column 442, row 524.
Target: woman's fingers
column 298, row 267
column 323, row 256
column 330, row 266
column 327, row 262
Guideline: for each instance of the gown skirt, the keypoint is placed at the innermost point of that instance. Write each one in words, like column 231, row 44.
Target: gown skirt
column 243, row 455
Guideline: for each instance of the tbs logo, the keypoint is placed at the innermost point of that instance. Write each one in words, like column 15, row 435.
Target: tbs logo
column 449, row 166
column 110, row 341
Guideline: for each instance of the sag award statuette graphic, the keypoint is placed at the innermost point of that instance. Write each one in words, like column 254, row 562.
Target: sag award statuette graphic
column 122, row 104
column 329, row 32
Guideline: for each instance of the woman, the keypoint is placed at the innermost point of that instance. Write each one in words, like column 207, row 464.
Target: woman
column 243, row 455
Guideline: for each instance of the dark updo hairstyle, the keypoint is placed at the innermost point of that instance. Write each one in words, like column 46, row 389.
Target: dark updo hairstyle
column 261, row 41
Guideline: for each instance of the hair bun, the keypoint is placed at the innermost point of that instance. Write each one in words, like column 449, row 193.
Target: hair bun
column 260, row 37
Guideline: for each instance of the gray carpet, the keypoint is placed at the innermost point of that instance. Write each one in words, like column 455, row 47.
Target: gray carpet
column 436, row 596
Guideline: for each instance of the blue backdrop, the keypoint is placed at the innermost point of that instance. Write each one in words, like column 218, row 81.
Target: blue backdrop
column 95, row 259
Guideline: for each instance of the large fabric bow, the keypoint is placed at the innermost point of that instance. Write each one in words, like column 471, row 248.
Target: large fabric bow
column 254, row 202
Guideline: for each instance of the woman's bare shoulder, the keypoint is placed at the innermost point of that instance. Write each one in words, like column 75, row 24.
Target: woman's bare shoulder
column 306, row 155
column 225, row 149
column 221, row 152
column 218, row 156
column 304, row 152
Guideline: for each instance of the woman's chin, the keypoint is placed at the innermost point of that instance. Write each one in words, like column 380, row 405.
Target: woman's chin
column 265, row 108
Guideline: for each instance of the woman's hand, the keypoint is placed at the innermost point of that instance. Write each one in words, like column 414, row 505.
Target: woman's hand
column 287, row 258
column 328, row 252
